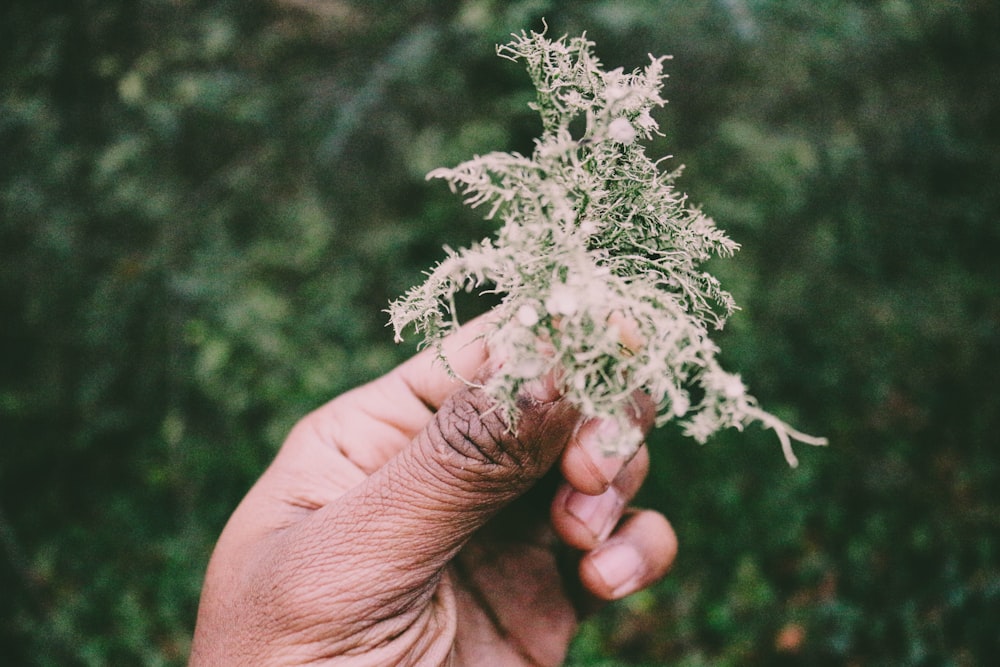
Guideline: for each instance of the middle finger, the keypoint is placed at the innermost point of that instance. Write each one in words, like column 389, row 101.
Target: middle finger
column 584, row 520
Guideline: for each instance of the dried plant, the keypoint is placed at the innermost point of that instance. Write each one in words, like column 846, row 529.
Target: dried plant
column 597, row 258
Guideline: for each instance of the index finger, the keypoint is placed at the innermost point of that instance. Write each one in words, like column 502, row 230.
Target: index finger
column 371, row 423
column 427, row 377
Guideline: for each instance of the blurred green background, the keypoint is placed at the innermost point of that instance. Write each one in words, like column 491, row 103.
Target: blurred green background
column 206, row 206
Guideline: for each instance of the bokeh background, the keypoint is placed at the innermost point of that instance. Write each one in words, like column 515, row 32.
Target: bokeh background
column 206, row 206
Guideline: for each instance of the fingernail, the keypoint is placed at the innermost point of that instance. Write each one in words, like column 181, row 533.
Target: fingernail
column 542, row 389
column 620, row 567
column 598, row 439
column 598, row 513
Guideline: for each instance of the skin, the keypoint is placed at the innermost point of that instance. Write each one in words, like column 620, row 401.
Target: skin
column 404, row 524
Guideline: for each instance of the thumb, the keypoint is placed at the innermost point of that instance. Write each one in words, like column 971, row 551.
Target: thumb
column 469, row 460
column 405, row 522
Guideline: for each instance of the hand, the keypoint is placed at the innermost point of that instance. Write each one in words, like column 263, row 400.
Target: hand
column 403, row 524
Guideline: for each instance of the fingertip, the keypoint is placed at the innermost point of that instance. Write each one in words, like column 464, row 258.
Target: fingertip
column 615, row 570
column 432, row 380
column 638, row 555
column 588, row 463
column 583, row 520
column 602, row 447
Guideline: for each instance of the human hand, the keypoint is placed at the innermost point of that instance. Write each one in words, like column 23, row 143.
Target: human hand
column 403, row 524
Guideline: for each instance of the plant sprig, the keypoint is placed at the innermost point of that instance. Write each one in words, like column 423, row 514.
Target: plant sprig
column 596, row 260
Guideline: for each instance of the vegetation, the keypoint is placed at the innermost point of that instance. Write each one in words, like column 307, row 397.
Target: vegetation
column 206, row 206
column 598, row 261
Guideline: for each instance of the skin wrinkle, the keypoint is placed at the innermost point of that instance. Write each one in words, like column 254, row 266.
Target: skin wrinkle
column 376, row 504
column 465, row 436
column 307, row 566
column 501, row 433
column 412, row 492
column 506, row 544
column 510, row 450
column 470, row 586
column 274, row 625
column 399, row 376
column 387, row 436
column 329, row 438
column 372, row 530
column 376, row 613
column 328, row 435
column 472, row 469
column 419, row 641
column 307, row 562
column 389, row 630
column 460, row 432
column 457, row 479
column 403, row 392
column 439, row 495
column 313, row 489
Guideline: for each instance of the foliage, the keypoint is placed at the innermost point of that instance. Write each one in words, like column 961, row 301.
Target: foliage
column 205, row 204
column 597, row 260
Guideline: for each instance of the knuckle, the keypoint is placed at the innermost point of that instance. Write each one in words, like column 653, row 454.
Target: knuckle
column 472, row 433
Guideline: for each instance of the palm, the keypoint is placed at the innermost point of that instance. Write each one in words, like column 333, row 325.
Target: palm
column 514, row 604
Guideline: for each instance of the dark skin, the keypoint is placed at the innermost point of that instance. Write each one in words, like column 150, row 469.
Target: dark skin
column 404, row 524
